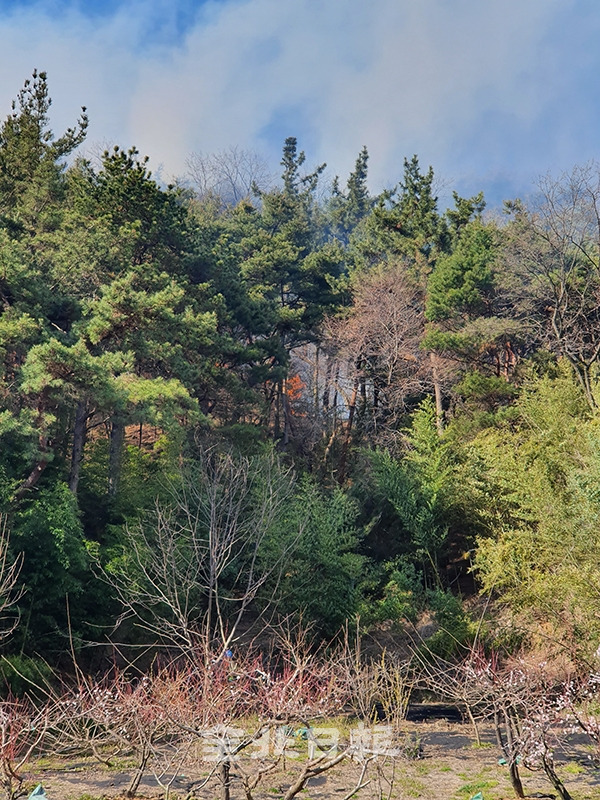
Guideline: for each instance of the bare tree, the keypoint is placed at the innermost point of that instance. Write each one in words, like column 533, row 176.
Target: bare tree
column 209, row 704
column 521, row 699
column 10, row 592
column 553, row 277
column 383, row 365
column 382, row 335
column 112, row 716
column 24, row 726
column 230, row 175
column 193, row 567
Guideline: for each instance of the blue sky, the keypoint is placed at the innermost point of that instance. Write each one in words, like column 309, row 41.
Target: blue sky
column 491, row 93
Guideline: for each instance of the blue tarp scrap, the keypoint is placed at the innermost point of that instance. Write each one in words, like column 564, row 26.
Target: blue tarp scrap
column 38, row 793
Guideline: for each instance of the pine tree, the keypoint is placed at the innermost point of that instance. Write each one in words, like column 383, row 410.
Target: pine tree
column 30, row 157
column 348, row 209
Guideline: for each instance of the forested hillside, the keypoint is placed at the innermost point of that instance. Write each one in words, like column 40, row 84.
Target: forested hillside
column 237, row 400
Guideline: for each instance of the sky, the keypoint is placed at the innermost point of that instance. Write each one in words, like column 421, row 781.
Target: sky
column 491, row 93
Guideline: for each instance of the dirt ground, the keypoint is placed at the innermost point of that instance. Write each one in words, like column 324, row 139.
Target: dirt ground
column 438, row 760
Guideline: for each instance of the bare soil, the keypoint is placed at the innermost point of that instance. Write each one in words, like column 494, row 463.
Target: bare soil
column 439, row 761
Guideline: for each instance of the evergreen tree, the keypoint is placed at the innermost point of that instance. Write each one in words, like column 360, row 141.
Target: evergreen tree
column 405, row 224
column 30, row 157
column 289, row 276
column 347, row 209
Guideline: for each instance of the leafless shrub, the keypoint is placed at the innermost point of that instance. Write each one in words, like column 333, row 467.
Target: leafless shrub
column 10, row 592
column 243, row 716
column 380, row 686
column 115, row 716
column 24, row 726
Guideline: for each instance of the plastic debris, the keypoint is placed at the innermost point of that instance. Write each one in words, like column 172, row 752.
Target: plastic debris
column 477, row 796
column 38, row 793
column 502, row 762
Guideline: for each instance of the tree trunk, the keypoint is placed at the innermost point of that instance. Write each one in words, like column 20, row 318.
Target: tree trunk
column 473, row 722
column 139, row 771
column 79, row 437
column 225, row 776
column 316, row 378
column 513, row 767
column 287, row 413
column 506, row 748
column 548, row 766
column 36, row 473
column 437, row 391
column 510, row 360
column 363, row 396
column 326, row 389
column 348, row 436
column 335, row 393
column 117, row 437
column 42, row 462
column 582, row 370
column 277, row 419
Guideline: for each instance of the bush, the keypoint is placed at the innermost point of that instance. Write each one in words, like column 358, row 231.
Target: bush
column 456, row 627
column 20, row 674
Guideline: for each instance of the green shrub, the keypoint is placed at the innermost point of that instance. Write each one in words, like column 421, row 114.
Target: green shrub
column 20, row 674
